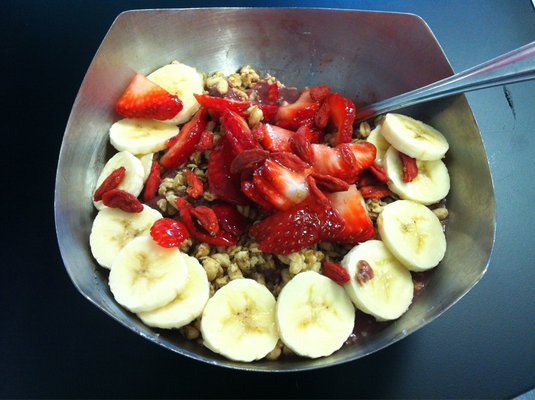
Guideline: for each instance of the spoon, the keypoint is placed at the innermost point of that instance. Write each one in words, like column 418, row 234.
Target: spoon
column 516, row 66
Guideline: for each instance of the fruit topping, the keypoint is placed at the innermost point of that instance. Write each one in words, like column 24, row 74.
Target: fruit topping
column 168, row 232
column 153, row 182
column 335, row 272
column 111, row 182
column 195, row 186
column 117, row 198
column 145, row 99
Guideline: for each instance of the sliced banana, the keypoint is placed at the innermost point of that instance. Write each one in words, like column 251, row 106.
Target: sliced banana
column 413, row 233
column 141, row 136
column 380, row 144
column 133, row 179
column 314, row 315
column 183, row 81
column 112, row 229
column 187, row 305
column 146, row 161
column 431, row 184
column 413, row 137
column 145, row 276
column 384, row 288
column 238, row 321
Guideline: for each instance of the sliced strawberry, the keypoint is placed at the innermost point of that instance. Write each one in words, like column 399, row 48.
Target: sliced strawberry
column 342, row 112
column 337, row 162
column 318, row 93
column 222, row 183
column 230, row 220
column 188, row 137
column 273, row 93
column 281, row 185
column 145, row 99
column 249, row 189
column 219, row 105
column 237, row 132
column 364, row 153
column 273, row 137
column 299, row 113
column 296, row 228
column 379, row 172
column 350, row 205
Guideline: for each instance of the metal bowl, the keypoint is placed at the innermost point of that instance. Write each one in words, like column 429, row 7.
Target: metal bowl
column 367, row 56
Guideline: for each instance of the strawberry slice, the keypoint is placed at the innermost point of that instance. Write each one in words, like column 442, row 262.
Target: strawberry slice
column 230, row 220
column 145, row 99
column 281, row 180
column 299, row 113
column 222, row 183
column 219, row 105
column 273, row 137
column 342, row 112
column 350, row 205
column 249, row 189
column 296, row 228
column 184, row 146
column 237, row 132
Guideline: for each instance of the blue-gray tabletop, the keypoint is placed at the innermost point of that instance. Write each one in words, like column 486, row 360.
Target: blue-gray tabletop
column 54, row 343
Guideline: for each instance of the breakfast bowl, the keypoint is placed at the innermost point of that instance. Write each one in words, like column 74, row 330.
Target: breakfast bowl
column 367, row 56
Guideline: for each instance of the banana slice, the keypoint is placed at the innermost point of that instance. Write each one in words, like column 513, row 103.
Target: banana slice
column 413, row 233
column 146, row 161
column 380, row 144
column 384, row 288
column 315, row 315
column 133, row 179
column 112, row 229
column 187, row 305
column 145, row 276
column 141, row 136
column 431, row 184
column 183, row 81
column 413, row 137
column 238, row 321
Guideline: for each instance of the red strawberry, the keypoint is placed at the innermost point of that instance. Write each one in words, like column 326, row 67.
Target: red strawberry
column 230, row 220
column 249, row 189
column 222, row 183
column 364, row 153
column 350, row 205
column 342, row 112
column 273, row 137
column 168, row 233
column 188, row 137
column 281, row 180
column 237, row 132
column 299, row 113
column 219, row 105
column 273, row 93
column 296, row 228
column 145, row 99
column 206, row 142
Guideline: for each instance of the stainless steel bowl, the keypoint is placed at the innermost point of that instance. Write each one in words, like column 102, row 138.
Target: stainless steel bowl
column 367, row 56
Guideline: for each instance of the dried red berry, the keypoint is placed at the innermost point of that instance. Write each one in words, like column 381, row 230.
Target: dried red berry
column 410, row 168
column 379, row 172
column 111, row 182
column 168, row 233
column 195, row 186
column 375, row 192
column 153, row 182
column 117, row 198
column 207, row 219
column 335, row 272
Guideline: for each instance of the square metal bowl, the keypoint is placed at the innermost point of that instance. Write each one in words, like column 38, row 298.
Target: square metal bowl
column 367, row 56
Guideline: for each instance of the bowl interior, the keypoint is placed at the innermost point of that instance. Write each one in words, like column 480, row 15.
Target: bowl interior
column 367, row 56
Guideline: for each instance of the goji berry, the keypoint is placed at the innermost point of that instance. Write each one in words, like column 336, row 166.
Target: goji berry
column 195, row 186
column 335, row 272
column 379, row 172
column 329, row 183
column 318, row 93
column 111, row 182
column 168, row 232
column 410, row 168
column 153, row 182
column 117, row 198
column 207, row 219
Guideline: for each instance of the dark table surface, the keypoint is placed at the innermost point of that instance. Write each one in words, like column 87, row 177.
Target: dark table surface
column 54, row 343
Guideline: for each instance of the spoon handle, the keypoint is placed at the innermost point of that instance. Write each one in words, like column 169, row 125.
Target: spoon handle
column 516, row 66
